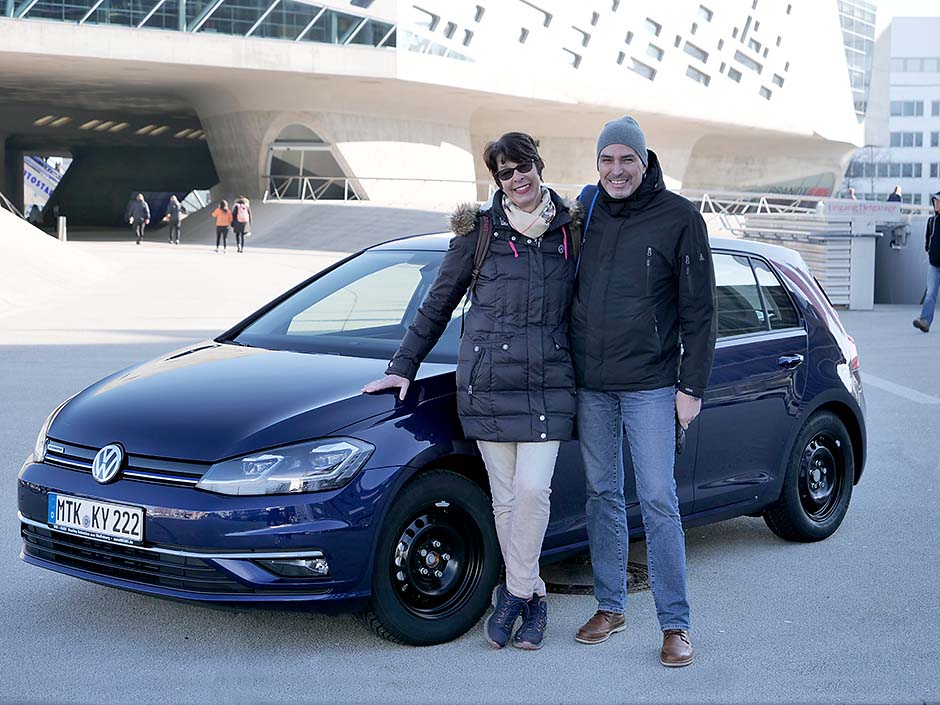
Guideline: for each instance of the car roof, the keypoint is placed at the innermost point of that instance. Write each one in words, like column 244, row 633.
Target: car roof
column 437, row 242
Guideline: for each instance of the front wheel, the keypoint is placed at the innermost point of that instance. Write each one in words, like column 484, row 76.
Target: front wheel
column 436, row 562
column 818, row 482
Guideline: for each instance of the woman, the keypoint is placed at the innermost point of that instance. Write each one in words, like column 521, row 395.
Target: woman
column 515, row 380
column 223, row 219
column 241, row 221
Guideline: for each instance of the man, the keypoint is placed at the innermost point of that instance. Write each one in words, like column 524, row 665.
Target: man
column 895, row 196
column 138, row 215
column 933, row 269
column 646, row 285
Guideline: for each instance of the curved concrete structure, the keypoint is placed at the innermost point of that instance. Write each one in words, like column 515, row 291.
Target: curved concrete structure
column 741, row 95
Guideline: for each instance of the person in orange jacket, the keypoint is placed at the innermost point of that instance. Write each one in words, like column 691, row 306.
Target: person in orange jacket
column 223, row 219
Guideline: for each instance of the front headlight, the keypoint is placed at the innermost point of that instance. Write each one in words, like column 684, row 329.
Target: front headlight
column 325, row 464
column 39, row 449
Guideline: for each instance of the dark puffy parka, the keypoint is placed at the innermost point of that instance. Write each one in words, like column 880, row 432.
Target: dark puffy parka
column 932, row 245
column 646, row 283
column 515, row 377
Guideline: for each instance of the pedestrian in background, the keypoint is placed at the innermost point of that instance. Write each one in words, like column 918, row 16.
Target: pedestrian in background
column 223, row 219
column 895, row 196
column 933, row 268
column 138, row 215
column 241, row 221
column 174, row 216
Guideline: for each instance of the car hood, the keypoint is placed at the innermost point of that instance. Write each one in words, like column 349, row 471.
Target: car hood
column 214, row 401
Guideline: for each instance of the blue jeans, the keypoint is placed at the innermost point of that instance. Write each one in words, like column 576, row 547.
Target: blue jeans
column 930, row 303
column 649, row 417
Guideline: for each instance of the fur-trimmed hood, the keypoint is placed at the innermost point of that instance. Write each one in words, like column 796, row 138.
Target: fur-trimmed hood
column 465, row 217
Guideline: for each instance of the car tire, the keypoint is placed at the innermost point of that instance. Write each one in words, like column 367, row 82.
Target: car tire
column 817, row 485
column 436, row 562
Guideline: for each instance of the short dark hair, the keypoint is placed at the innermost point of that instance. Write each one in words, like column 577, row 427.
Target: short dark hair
column 512, row 147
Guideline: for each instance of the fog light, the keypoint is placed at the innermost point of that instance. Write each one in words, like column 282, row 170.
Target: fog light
column 298, row 567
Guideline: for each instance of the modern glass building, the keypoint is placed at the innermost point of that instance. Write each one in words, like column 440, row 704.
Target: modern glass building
column 858, row 30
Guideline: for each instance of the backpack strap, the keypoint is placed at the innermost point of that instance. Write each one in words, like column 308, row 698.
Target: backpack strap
column 588, row 194
column 483, row 246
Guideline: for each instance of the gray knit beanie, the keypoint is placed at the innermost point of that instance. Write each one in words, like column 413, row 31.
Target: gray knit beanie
column 624, row 131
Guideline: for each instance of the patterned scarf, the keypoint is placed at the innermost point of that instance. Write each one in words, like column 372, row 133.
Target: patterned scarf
column 532, row 224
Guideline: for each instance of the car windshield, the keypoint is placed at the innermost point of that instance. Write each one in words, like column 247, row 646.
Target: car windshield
column 362, row 308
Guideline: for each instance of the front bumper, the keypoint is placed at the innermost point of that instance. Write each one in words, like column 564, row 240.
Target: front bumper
column 203, row 547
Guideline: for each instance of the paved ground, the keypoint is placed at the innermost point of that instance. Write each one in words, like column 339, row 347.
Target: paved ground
column 852, row 619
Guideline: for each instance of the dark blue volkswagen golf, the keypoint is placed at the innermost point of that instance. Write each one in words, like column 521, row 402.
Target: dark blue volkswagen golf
column 250, row 470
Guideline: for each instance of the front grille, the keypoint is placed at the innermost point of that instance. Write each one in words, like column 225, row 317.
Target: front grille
column 137, row 467
column 128, row 562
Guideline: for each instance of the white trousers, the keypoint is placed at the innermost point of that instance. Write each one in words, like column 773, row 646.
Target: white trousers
column 520, row 480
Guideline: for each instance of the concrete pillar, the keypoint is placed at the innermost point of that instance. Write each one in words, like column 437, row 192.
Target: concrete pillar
column 862, row 277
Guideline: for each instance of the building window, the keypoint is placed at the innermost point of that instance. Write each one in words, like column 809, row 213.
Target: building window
column 789, row 9
column 427, row 20
column 467, row 37
column 734, row 33
column 766, row 52
column 721, row 69
column 779, row 39
column 523, row 35
column 734, row 74
column 721, row 44
column 705, row 13
column 594, row 18
column 478, row 14
column 754, row 45
column 697, row 75
column 935, row 139
column 615, row 6
column 694, row 28
column 644, row 70
column 546, row 16
column 765, row 92
column 620, row 57
column 584, row 36
column 653, row 27
column 449, row 30
column 935, row 170
column 747, row 61
column 786, row 67
column 655, row 52
column 629, row 38
column 574, row 59
column 778, row 80
column 677, row 42
column 907, row 108
column 754, row 5
column 695, row 52
column 935, row 108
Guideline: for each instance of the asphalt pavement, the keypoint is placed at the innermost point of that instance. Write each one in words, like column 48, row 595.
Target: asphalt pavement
column 853, row 619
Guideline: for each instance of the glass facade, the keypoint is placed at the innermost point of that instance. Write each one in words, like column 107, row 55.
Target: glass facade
column 858, row 34
column 275, row 19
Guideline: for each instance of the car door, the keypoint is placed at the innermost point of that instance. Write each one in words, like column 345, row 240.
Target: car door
column 757, row 379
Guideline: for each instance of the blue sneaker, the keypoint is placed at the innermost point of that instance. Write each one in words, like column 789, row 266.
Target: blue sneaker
column 498, row 626
column 534, row 621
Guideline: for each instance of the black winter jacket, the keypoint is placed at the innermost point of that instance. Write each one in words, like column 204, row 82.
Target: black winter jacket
column 646, row 283
column 933, row 242
column 515, row 378
column 138, row 210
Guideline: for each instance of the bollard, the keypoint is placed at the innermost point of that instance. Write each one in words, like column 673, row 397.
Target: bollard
column 62, row 229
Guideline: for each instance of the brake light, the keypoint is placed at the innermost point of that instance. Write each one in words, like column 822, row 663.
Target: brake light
column 853, row 354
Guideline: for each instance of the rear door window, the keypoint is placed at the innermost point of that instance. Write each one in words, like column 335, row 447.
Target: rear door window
column 780, row 310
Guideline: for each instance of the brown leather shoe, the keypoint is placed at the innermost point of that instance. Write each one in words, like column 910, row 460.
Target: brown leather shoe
column 599, row 627
column 677, row 648
column 921, row 324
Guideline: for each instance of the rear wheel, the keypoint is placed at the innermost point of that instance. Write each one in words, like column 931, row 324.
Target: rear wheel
column 818, row 482
column 436, row 562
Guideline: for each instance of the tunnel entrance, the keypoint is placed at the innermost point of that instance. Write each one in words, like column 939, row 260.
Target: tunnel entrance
column 301, row 167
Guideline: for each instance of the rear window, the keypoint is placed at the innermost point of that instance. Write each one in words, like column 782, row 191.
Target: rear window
column 750, row 297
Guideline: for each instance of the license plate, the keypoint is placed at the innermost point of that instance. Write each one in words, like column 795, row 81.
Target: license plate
column 116, row 522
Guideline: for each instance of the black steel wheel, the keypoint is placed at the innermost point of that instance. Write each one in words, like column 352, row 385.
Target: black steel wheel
column 436, row 562
column 817, row 486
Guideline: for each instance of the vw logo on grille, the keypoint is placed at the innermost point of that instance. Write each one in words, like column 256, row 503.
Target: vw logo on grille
column 107, row 463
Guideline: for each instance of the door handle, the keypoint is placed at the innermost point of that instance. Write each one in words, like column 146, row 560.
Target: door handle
column 789, row 362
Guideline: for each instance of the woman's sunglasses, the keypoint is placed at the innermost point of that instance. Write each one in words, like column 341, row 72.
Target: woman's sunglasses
column 506, row 174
